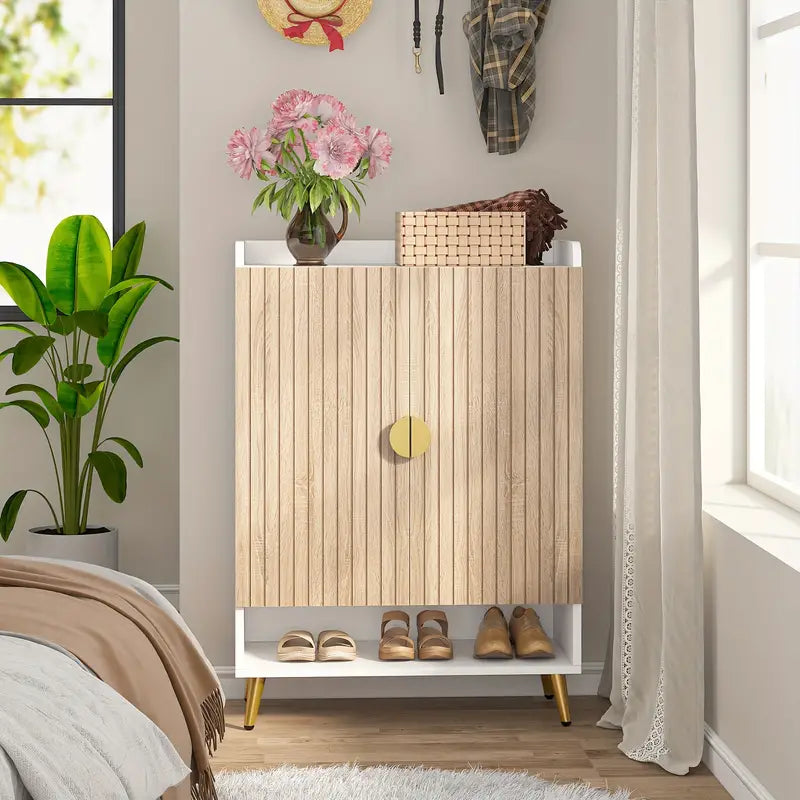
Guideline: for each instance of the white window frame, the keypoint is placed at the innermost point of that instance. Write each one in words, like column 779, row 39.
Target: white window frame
column 758, row 478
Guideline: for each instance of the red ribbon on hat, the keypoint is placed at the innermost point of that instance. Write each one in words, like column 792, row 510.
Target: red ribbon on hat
column 328, row 23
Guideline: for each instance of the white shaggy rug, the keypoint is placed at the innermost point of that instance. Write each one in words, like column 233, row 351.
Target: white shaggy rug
column 395, row 783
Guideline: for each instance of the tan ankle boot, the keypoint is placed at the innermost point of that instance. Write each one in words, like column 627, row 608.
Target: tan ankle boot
column 492, row 640
column 530, row 640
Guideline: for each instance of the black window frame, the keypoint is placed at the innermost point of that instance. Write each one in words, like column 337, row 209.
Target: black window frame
column 11, row 313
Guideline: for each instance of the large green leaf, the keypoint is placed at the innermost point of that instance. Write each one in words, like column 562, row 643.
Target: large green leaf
column 120, row 318
column 28, row 353
column 34, row 409
column 134, row 351
column 113, row 473
column 127, row 253
column 129, row 447
column 28, row 292
column 7, row 352
column 77, row 373
column 8, row 516
column 76, row 399
column 137, row 280
column 64, row 325
column 13, row 326
column 79, row 264
column 48, row 401
column 95, row 323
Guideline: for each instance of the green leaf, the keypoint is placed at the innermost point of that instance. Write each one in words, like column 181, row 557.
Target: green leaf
column 300, row 195
column 28, row 292
column 13, row 326
column 347, row 197
column 262, row 196
column 120, row 318
column 127, row 254
column 8, row 516
column 317, row 195
column 135, row 351
column 77, row 373
column 76, row 399
column 48, row 401
column 6, row 353
column 95, row 323
column 28, row 353
column 79, row 264
column 113, row 473
column 129, row 448
column 358, row 189
column 64, row 324
column 34, row 409
column 137, row 281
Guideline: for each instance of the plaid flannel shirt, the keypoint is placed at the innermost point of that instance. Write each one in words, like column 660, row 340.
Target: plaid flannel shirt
column 502, row 35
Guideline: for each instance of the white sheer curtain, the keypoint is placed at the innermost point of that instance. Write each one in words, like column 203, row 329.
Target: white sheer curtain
column 655, row 666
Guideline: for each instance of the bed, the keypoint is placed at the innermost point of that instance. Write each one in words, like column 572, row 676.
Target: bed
column 65, row 733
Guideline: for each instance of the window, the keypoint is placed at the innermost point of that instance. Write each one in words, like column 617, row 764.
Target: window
column 61, row 123
column 774, row 250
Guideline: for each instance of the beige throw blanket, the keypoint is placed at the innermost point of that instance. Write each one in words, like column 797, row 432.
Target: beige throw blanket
column 130, row 644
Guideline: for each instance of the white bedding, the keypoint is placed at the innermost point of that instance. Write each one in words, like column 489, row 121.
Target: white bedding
column 65, row 735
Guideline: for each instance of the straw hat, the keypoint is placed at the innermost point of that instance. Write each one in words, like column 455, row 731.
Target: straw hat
column 315, row 22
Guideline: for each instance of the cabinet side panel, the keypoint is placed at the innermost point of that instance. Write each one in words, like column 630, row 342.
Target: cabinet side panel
column 416, row 367
column 546, row 438
column 271, row 437
column 575, row 436
column 257, row 435
column 504, row 435
column 242, row 447
column 475, row 436
column 388, row 417
column 286, row 437
column 460, row 447
column 431, row 416
column 345, row 432
column 315, row 438
column 330, row 437
column 301, row 562
column 374, row 436
column 445, row 439
column 532, row 440
column 518, row 436
column 489, row 333
column 359, row 471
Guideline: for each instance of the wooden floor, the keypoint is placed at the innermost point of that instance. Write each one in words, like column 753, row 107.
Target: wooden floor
column 516, row 734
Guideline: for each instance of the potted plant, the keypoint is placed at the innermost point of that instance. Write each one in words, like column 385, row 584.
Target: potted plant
column 84, row 312
column 314, row 158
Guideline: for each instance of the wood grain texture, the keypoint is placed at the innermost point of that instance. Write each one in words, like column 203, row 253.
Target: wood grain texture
column 499, row 733
column 329, row 358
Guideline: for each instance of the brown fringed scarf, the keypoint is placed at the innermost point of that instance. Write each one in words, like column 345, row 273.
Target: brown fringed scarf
column 130, row 644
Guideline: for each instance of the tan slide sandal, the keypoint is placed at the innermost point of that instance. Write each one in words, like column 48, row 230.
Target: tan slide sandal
column 297, row 646
column 395, row 644
column 335, row 646
column 432, row 642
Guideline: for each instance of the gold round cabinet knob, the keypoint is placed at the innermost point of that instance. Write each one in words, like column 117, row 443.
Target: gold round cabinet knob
column 410, row 437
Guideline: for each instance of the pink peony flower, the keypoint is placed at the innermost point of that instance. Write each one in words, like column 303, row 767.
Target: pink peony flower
column 246, row 151
column 289, row 109
column 378, row 150
column 337, row 152
column 326, row 107
column 347, row 122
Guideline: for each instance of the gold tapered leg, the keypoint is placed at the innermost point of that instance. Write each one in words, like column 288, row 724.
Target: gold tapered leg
column 547, row 685
column 255, row 687
column 562, row 699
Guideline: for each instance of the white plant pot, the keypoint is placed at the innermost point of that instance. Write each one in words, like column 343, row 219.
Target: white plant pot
column 97, row 546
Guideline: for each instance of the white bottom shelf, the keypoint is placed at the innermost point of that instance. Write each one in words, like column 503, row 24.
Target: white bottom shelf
column 259, row 660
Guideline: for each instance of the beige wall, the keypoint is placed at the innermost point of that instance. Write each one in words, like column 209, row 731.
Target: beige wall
column 146, row 409
column 232, row 65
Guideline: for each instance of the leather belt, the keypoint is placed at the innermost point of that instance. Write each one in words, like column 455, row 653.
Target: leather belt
column 438, row 30
column 417, row 38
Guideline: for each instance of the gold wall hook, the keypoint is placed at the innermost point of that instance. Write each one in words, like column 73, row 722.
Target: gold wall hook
column 410, row 437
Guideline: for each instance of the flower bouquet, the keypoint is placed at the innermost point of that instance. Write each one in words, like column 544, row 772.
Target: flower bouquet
column 314, row 158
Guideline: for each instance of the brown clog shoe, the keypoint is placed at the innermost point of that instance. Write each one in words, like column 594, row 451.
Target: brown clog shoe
column 528, row 636
column 492, row 640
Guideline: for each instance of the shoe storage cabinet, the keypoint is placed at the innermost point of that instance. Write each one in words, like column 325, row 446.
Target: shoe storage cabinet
column 333, row 526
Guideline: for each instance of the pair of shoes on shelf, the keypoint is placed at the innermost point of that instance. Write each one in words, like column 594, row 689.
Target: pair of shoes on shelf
column 432, row 642
column 523, row 635
column 330, row 646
